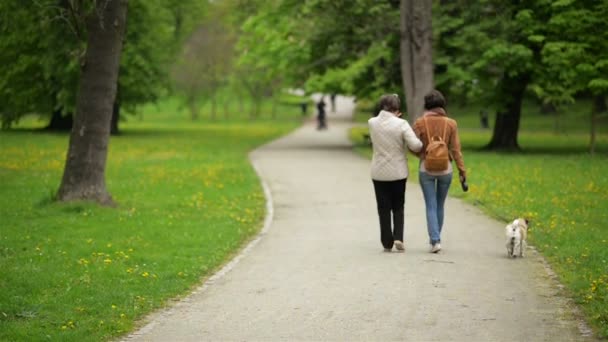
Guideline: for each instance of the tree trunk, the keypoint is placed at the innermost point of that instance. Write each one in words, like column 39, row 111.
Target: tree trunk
column 255, row 108
column 60, row 122
column 115, row 118
column 84, row 173
column 241, row 105
column 274, row 108
column 416, row 54
column 226, row 107
column 547, row 108
column 213, row 108
column 193, row 106
column 506, row 128
column 599, row 106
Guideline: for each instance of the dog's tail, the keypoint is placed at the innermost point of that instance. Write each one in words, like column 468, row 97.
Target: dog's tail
column 514, row 230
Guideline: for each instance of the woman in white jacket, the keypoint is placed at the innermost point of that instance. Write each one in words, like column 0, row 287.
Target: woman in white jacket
column 391, row 137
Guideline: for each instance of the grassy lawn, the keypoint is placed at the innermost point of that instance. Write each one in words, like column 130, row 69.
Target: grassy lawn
column 554, row 183
column 187, row 199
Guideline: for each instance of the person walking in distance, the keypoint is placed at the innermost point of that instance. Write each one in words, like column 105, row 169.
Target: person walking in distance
column 332, row 99
column 321, row 115
column 391, row 136
column 441, row 145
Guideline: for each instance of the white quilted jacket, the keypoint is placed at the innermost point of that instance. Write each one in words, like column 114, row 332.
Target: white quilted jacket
column 391, row 136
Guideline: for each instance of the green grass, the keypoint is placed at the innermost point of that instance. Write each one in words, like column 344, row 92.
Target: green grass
column 187, row 199
column 554, row 183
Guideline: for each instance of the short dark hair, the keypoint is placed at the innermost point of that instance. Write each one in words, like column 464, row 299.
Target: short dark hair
column 434, row 99
column 390, row 102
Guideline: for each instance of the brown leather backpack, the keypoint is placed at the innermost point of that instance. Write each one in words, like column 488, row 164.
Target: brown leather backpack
column 436, row 154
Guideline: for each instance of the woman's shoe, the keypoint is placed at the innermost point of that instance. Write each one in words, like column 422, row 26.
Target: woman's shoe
column 399, row 246
column 436, row 248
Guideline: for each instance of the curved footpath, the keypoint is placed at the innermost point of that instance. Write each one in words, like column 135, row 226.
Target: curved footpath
column 318, row 272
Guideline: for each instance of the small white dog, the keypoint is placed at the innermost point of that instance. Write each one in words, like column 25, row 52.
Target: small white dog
column 517, row 232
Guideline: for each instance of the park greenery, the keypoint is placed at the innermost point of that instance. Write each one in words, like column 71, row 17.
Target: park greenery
column 195, row 82
column 188, row 200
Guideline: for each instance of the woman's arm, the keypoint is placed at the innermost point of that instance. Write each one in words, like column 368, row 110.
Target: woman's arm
column 411, row 140
column 456, row 152
column 417, row 132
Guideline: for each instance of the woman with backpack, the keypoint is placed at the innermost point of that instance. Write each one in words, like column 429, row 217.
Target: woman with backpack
column 441, row 145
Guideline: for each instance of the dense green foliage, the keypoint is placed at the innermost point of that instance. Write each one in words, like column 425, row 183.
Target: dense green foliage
column 182, row 190
column 42, row 46
column 484, row 50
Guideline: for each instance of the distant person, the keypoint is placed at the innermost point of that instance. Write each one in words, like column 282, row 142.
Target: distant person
column 332, row 98
column 321, row 115
column 391, row 136
column 483, row 118
column 304, row 107
column 435, row 184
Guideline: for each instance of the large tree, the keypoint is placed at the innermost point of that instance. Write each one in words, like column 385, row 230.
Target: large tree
column 575, row 56
column 204, row 64
column 31, row 81
column 46, row 83
column 342, row 46
column 416, row 53
column 491, row 52
column 84, row 173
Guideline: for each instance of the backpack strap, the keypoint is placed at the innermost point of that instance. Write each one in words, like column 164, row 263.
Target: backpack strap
column 445, row 128
column 426, row 127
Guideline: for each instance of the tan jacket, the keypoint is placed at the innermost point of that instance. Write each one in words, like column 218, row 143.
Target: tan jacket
column 435, row 119
column 391, row 137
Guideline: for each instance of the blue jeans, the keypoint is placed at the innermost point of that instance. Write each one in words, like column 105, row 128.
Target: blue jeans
column 435, row 190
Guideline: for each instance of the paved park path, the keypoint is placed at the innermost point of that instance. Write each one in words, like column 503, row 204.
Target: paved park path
column 318, row 273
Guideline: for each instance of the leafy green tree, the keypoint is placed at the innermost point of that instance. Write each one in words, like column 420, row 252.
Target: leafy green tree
column 325, row 46
column 351, row 50
column 270, row 53
column 84, row 172
column 575, row 56
column 41, row 54
column 496, row 51
column 204, row 64
column 342, row 46
column 491, row 53
column 43, row 45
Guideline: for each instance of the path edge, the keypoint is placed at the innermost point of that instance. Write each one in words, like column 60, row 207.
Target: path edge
column 152, row 319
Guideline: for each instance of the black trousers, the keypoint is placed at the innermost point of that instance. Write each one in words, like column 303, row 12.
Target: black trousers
column 390, row 198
